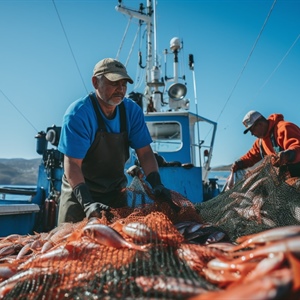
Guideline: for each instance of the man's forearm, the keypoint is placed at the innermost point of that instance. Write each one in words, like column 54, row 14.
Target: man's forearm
column 73, row 172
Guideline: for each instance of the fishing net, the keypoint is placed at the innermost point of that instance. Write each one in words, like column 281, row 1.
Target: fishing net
column 146, row 250
column 265, row 198
column 69, row 264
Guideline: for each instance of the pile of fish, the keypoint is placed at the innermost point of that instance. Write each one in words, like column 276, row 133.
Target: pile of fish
column 261, row 266
column 185, row 260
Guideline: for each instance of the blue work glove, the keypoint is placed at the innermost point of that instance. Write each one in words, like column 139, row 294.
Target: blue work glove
column 161, row 191
column 91, row 208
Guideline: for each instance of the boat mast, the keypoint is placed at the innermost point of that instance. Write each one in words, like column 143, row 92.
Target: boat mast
column 153, row 82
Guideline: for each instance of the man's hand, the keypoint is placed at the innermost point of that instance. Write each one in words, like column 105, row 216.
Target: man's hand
column 161, row 191
column 91, row 208
column 237, row 165
column 234, row 167
column 284, row 157
column 165, row 195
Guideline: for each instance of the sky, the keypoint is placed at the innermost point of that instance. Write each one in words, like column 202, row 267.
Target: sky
column 246, row 53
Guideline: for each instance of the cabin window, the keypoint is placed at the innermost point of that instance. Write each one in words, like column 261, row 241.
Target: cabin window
column 166, row 136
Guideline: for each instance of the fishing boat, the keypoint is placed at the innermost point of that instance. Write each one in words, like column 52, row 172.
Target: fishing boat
column 183, row 155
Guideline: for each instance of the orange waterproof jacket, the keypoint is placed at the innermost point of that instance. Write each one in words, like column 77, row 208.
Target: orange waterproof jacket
column 286, row 136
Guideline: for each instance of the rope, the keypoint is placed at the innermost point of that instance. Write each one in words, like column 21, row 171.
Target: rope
column 62, row 26
column 16, row 108
column 123, row 39
column 278, row 65
column 134, row 40
column 248, row 58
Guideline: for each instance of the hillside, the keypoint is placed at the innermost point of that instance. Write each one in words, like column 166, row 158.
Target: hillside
column 221, row 168
column 18, row 171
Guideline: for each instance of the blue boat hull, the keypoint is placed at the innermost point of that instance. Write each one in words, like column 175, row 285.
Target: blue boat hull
column 17, row 218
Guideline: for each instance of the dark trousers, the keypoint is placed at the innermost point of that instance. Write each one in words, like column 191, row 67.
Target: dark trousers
column 70, row 210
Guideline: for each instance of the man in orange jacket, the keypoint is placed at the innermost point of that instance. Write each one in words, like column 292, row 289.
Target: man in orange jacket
column 274, row 136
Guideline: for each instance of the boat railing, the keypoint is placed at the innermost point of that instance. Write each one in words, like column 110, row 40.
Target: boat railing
column 18, row 191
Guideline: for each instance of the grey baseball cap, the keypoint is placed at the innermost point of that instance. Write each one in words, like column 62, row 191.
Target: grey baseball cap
column 250, row 118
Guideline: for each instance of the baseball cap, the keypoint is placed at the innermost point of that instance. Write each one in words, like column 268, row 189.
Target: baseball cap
column 250, row 118
column 112, row 69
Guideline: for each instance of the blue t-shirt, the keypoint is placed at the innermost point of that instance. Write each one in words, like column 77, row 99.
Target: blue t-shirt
column 80, row 125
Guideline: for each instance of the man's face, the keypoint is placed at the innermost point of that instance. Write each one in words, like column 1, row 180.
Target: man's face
column 258, row 129
column 111, row 92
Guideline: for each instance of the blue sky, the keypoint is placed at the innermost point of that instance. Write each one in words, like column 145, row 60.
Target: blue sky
column 39, row 76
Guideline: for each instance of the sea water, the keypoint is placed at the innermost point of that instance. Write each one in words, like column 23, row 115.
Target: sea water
column 220, row 175
column 16, row 197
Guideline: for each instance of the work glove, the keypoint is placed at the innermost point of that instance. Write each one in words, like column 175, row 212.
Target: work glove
column 284, row 157
column 97, row 210
column 161, row 191
column 91, row 208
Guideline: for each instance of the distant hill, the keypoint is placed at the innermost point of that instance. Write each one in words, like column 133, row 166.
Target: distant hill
column 18, row 171
column 221, row 168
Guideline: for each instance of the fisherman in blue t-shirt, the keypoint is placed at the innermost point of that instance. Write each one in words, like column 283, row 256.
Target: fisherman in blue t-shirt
column 96, row 134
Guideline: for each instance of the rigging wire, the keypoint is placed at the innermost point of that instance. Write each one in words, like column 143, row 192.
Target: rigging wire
column 16, row 108
column 273, row 72
column 247, row 60
column 69, row 44
column 278, row 65
column 140, row 69
column 132, row 46
column 137, row 81
column 123, row 39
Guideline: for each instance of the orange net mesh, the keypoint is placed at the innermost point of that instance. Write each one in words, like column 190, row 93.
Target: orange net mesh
column 129, row 262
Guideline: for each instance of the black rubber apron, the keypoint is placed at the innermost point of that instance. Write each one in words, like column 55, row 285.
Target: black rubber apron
column 102, row 168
